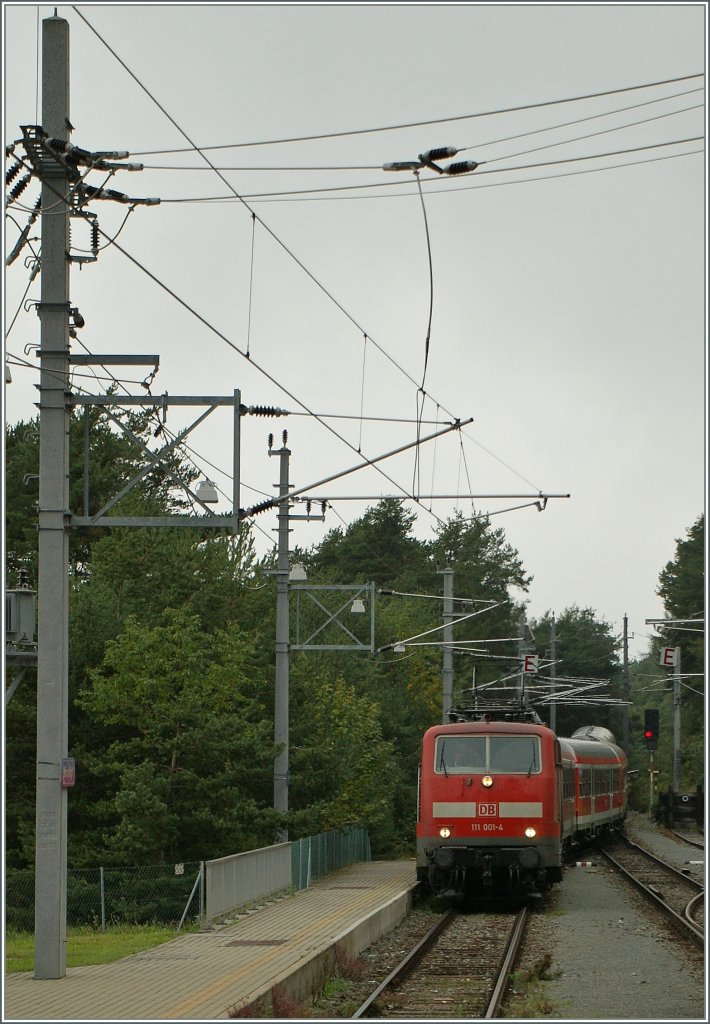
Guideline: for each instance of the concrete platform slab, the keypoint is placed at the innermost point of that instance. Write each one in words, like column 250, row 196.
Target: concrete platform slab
column 203, row 975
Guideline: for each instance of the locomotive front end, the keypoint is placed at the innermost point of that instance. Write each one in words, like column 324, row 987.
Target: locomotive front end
column 489, row 810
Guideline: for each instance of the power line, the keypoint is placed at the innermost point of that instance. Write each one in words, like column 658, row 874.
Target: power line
column 266, row 373
column 235, row 193
column 288, row 251
column 462, row 149
column 592, row 135
column 400, row 184
column 410, row 124
column 582, row 120
column 449, row 188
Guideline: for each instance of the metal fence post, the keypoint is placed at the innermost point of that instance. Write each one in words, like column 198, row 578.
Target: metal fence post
column 202, row 892
column 198, row 882
column 103, row 900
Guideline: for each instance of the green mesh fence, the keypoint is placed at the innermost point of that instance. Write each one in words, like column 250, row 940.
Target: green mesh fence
column 315, row 856
column 167, row 894
column 100, row 897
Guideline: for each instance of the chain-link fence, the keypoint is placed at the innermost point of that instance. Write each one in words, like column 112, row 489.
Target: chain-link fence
column 167, row 894
column 98, row 897
column 315, row 856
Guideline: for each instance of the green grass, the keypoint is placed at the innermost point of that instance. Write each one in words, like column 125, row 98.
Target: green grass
column 85, row 946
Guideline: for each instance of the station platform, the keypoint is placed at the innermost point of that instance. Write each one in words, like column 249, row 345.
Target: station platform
column 289, row 944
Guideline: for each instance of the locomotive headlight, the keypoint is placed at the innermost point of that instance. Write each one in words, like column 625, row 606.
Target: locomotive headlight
column 530, row 832
column 487, row 781
column 444, row 833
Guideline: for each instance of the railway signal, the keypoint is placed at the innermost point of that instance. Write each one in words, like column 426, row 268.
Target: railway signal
column 650, row 728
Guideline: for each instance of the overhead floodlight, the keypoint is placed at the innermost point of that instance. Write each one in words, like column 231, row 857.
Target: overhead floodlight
column 206, row 491
column 297, row 574
column 358, row 606
column 399, row 648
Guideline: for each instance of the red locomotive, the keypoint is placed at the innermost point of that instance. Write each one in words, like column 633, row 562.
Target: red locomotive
column 502, row 799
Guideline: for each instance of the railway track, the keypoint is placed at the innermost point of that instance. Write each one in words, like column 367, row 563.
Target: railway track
column 459, row 969
column 680, row 898
column 693, row 839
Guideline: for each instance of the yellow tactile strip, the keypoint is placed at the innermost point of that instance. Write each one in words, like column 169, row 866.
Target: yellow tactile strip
column 201, row 975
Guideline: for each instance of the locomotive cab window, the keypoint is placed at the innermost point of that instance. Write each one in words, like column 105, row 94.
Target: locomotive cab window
column 502, row 755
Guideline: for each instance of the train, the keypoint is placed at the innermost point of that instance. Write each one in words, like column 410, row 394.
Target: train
column 503, row 800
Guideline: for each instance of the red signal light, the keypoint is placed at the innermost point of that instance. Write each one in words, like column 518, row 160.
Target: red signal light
column 650, row 728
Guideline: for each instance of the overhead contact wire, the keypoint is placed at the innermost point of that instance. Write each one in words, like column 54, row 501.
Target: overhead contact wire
column 414, row 124
column 272, row 196
column 194, row 312
column 301, row 265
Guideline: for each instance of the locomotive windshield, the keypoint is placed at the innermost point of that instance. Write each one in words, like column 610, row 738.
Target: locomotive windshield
column 458, row 755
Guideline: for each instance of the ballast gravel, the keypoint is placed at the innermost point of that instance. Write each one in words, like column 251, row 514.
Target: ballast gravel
column 613, row 960
column 610, row 957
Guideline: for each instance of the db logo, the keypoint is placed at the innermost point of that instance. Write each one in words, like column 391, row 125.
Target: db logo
column 487, row 810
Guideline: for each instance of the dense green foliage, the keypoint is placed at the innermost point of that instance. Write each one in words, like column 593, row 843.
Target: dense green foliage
column 681, row 587
column 172, row 668
column 586, row 651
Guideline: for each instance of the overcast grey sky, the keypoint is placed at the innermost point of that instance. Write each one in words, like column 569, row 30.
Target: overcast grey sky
column 568, row 300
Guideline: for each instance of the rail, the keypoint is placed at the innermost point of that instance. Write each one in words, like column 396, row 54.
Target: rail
column 685, row 924
column 405, row 965
column 487, row 976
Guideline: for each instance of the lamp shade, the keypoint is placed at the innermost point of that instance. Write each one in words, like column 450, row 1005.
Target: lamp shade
column 206, row 491
column 297, row 574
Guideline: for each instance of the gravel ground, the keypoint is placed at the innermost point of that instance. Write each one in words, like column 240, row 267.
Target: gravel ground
column 601, row 953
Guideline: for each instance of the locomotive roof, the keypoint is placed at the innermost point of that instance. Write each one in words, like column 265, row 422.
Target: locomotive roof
column 454, row 728
column 481, row 710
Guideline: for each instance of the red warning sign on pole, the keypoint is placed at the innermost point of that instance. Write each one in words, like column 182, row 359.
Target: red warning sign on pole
column 530, row 662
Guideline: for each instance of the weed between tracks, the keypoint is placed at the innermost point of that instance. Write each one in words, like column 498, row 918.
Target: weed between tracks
column 527, row 997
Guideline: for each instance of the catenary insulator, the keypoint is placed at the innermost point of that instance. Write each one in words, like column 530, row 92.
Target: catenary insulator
column 12, row 172
column 58, row 144
column 264, row 506
column 20, row 187
column 94, row 237
column 442, row 153
column 265, row 410
column 462, row 167
column 271, row 441
column 75, row 153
